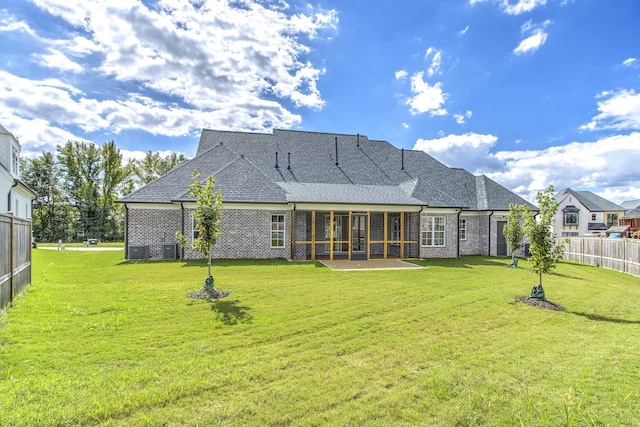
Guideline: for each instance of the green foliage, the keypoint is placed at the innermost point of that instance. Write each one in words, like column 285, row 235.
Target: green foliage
column 514, row 229
column 298, row 344
column 207, row 215
column 545, row 253
column 77, row 189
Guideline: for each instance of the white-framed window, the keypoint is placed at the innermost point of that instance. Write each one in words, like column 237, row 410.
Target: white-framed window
column 15, row 162
column 462, row 233
column 570, row 218
column 194, row 231
column 277, row 231
column 433, row 231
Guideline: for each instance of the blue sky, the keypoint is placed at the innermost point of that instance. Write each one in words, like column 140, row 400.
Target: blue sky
column 527, row 92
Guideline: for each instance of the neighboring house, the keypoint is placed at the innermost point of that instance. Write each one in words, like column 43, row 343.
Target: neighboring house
column 583, row 213
column 629, row 205
column 15, row 196
column 630, row 223
column 307, row 195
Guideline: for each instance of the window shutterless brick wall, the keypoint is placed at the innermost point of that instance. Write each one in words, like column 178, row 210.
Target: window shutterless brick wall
column 450, row 248
column 244, row 233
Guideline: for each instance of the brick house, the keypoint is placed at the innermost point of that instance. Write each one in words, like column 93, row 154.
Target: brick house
column 306, row 196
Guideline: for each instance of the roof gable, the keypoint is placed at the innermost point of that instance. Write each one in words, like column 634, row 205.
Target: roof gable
column 589, row 200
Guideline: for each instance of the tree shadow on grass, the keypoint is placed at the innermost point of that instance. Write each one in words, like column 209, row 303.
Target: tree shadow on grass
column 600, row 318
column 231, row 312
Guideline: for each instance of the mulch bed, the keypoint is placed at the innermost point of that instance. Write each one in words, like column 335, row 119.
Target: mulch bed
column 216, row 294
column 539, row 303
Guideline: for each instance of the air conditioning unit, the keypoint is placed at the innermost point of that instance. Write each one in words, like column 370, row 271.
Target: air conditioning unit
column 169, row 251
column 138, row 252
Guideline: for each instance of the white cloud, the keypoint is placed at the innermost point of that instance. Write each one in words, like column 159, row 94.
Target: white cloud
column 469, row 151
column 536, row 37
column 607, row 166
column 461, row 118
column 463, row 31
column 619, row 110
column 214, row 65
column 521, row 6
column 401, row 74
column 629, row 61
column 436, row 60
column 56, row 59
column 426, row 98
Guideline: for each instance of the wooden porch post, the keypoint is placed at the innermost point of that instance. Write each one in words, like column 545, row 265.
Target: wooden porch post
column 402, row 235
column 313, row 235
column 368, row 235
column 386, row 231
column 331, row 236
column 349, row 247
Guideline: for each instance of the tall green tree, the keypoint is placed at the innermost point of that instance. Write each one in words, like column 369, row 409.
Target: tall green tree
column 207, row 219
column 115, row 174
column 82, row 166
column 52, row 215
column 545, row 253
column 514, row 230
column 153, row 165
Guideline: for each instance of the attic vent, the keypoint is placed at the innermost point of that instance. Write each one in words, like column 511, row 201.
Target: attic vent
column 277, row 160
column 358, row 140
column 337, row 163
column 289, row 161
column 402, row 168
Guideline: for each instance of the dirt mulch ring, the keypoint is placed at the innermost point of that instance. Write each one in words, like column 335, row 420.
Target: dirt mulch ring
column 216, row 294
column 539, row 303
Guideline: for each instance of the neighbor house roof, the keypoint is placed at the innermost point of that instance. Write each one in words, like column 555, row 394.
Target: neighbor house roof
column 627, row 205
column 633, row 213
column 297, row 166
column 591, row 201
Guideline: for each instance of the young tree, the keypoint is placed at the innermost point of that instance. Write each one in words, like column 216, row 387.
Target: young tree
column 513, row 231
column 207, row 219
column 545, row 254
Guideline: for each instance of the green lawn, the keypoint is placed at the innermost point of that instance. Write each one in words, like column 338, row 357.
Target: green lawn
column 99, row 341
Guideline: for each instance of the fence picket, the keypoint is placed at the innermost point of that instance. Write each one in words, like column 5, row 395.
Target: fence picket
column 615, row 254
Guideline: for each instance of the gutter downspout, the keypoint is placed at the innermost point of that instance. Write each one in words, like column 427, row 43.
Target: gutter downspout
column 419, row 225
column 182, row 228
column 126, row 231
column 15, row 184
column 489, row 248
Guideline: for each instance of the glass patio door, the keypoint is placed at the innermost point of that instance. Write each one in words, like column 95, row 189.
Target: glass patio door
column 358, row 233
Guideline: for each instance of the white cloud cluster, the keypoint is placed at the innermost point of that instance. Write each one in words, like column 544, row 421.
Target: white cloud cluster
column 436, row 60
column 629, row 61
column 426, row 98
column 535, row 36
column 619, row 110
column 607, row 163
column 519, row 7
column 462, row 118
column 214, row 63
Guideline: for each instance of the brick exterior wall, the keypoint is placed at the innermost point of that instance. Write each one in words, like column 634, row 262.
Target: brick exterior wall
column 243, row 233
column 246, row 233
column 145, row 227
column 450, row 249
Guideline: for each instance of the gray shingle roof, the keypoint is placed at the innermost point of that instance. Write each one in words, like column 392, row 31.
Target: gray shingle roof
column 309, row 169
column 590, row 200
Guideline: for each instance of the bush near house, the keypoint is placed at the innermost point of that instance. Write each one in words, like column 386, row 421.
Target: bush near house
column 99, row 341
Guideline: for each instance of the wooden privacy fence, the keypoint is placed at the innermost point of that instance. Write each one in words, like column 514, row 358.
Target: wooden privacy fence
column 15, row 258
column 616, row 254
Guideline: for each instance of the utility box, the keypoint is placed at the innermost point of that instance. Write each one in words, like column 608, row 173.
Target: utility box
column 138, row 252
column 169, row 250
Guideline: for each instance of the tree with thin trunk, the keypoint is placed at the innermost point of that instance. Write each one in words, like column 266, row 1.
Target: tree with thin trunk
column 545, row 252
column 513, row 231
column 207, row 219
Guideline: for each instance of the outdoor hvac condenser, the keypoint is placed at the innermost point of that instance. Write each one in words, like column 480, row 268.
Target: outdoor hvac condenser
column 169, row 250
column 138, row 252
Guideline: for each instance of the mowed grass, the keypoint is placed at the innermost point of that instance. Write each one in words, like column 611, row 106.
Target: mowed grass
column 100, row 341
